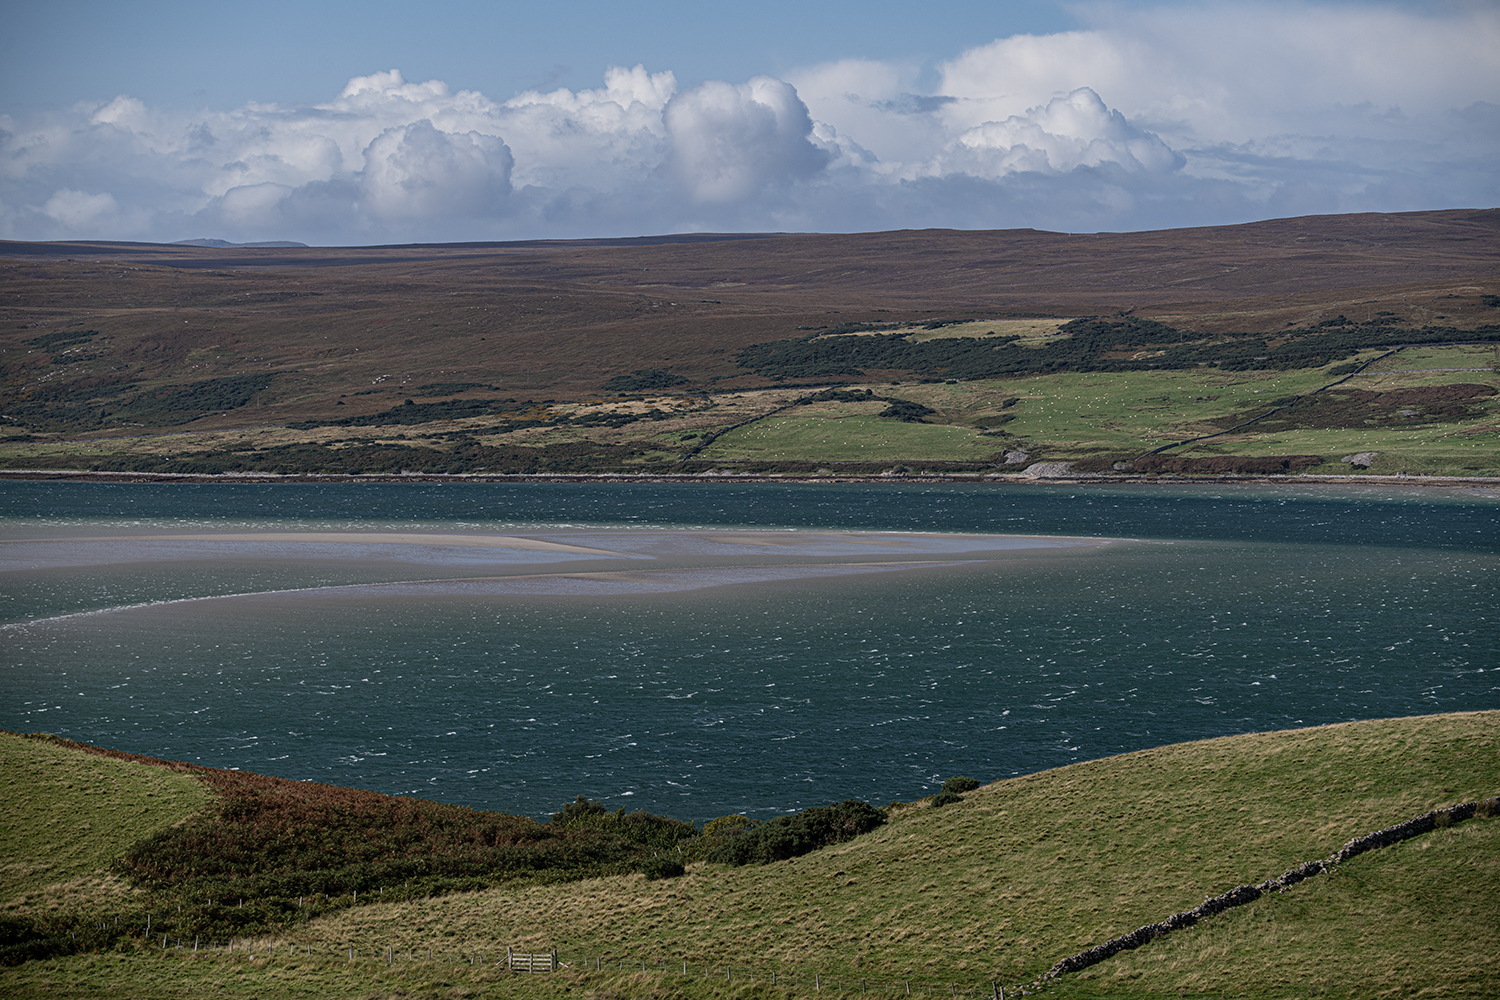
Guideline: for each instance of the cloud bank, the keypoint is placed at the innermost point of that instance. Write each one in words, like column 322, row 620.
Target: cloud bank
column 1181, row 115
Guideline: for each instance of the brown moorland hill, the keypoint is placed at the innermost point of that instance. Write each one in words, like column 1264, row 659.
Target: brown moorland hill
column 317, row 333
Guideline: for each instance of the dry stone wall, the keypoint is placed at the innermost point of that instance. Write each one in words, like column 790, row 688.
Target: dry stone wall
column 1240, row 895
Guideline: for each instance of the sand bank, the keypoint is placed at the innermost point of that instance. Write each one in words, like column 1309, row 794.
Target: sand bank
column 327, row 565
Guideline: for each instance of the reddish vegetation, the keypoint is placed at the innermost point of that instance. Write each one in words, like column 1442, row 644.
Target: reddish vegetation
column 1363, row 407
column 275, row 837
column 356, row 330
column 1245, row 465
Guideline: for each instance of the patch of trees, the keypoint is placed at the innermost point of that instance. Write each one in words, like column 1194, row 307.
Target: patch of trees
column 1093, row 344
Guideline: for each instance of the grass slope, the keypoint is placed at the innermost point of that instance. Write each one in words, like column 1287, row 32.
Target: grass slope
column 69, row 815
column 998, row 886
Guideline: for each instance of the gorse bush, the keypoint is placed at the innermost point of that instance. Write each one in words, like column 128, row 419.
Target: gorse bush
column 639, row 827
column 660, row 867
column 958, row 784
column 945, row 798
column 727, row 826
column 800, row 833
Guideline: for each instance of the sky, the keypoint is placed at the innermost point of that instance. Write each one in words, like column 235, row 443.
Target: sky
column 383, row 122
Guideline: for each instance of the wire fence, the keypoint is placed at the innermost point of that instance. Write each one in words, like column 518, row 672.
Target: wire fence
column 523, row 963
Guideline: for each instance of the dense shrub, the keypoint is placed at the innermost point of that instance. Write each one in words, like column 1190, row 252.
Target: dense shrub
column 905, row 409
column 660, row 867
column 727, row 826
column 958, row 784
column 639, row 827
column 946, row 798
column 800, row 833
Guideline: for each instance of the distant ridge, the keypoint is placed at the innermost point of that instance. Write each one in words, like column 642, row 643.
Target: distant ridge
column 220, row 244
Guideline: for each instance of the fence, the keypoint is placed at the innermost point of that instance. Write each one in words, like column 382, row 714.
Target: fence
column 815, row 981
column 537, row 962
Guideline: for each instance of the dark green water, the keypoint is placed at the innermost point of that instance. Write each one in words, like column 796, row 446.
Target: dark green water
column 1241, row 609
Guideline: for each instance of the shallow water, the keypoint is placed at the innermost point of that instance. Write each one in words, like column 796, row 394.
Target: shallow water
column 1234, row 610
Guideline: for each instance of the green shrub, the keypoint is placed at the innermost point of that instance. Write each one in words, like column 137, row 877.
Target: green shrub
column 639, row 827
column 801, row 833
column 662, row 867
column 944, row 798
column 579, row 809
column 958, row 784
column 727, row 826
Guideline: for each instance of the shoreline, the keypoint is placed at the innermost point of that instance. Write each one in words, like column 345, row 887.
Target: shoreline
column 1017, row 478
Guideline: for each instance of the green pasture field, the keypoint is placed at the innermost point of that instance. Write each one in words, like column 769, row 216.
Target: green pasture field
column 1081, row 415
column 996, row 887
column 69, row 814
column 858, row 437
column 1070, row 416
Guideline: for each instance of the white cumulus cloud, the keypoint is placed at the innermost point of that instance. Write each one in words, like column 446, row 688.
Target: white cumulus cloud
column 1181, row 114
column 417, row 172
column 1066, row 133
column 730, row 141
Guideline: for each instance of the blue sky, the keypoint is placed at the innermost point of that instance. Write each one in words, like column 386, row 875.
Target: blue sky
column 341, row 123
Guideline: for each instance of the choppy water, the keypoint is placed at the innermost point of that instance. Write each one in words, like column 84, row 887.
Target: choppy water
column 1239, row 609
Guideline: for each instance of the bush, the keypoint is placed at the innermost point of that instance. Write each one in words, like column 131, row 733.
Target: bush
column 660, row 867
column 579, row 809
column 801, row 833
column 727, row 826
column 1488, row 807
column 639, row 827
column 958, row 784
column 944, row 798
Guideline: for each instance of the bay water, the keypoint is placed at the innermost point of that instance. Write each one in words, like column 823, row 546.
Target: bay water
column 1223, row 609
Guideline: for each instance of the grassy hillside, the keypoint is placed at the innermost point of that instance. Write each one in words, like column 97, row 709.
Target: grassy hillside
column 596, row 356
column 69, row 815
column 995, row 887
